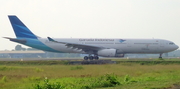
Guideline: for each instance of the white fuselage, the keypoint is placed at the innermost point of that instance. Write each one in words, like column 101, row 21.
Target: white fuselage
column 125, row 45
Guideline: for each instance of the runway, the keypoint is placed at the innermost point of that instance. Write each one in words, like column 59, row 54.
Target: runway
column 37, row 59
column 81, row 59
column 45, row 59
column 71, row 61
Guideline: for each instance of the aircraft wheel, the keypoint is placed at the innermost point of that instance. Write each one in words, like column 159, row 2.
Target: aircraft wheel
column 96, row 57
column 85, row 58
column 91, row 57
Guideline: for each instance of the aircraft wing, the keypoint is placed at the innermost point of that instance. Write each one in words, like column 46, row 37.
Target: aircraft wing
column 84, row 47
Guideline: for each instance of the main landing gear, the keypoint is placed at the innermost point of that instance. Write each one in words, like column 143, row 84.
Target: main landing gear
column 160, row 55
column 91, row 57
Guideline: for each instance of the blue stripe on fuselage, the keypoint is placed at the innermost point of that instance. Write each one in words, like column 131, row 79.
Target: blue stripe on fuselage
column 35, row 43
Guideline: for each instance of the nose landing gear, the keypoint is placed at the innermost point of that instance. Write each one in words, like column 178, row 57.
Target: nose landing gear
column 160, row 55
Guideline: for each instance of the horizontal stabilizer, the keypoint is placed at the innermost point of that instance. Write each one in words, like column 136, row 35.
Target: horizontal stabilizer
column 23, row 41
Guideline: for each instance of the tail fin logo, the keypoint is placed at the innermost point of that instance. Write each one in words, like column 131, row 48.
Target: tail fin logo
column 20, row 29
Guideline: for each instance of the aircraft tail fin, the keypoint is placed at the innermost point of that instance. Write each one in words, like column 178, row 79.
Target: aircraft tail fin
column 20, row 29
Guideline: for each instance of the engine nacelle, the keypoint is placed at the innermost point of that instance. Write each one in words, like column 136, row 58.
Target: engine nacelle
column 110, row 53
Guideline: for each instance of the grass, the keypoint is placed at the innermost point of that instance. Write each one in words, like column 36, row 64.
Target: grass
column 124, row 75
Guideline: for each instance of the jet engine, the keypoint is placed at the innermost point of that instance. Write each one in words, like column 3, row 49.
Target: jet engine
column 110, row 53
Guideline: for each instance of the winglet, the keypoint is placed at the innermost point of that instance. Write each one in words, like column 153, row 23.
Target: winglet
column 50, row 39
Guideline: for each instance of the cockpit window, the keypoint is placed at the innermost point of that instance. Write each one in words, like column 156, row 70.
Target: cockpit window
column 171, row 43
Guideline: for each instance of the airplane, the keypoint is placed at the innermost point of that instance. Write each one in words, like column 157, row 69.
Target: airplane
column 94, row 47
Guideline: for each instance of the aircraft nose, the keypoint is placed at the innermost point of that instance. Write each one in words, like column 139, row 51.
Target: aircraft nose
column 176, row 46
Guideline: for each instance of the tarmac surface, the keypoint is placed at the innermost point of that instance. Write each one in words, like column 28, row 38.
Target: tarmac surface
column 81, row 59
column 71, row 61
column 38, row 59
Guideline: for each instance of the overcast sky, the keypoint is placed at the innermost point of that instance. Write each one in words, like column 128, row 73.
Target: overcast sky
column 93, row 19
